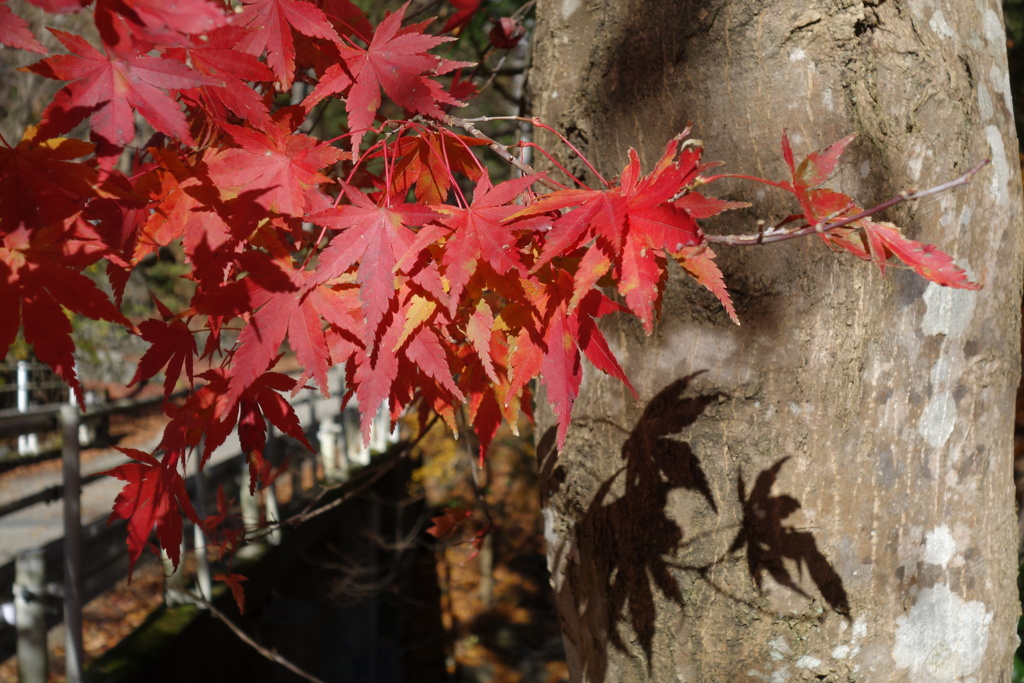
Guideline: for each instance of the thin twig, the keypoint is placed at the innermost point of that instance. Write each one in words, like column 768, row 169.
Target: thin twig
column 522, row 11
column 248, row 640
column 371, row 479
column 766, row 237
column 374, row 477
column 498, row 148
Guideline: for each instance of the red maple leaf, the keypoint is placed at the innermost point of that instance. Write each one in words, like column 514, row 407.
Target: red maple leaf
column 926, row 260
column 812, row 172
column 37, row 281
column 107, row 90
column 427, row 353
column 153, row 496
column 491, row 399
column 556, row 355
column 877, row 242
column 14, row 32
column 397, row 62
column 699, row 263
column 376, row 237
column 135, row 26
column 446, row 521
column 218, row 414
column 566, row 336
column 279, row 313
column 429, row 161
column 39, row 181
column 348, row 19
column 465, row 9
column 479, row 233
column 272, row 22
column 234, row 582
column 480, row 333
column 185, row 205
column 634, row 224
column 215, row 55
column 283, row 307
column 283, row 167
column 173, row 346
column 376, row 371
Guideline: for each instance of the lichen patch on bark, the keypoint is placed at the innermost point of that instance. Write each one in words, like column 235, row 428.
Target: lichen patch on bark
column 943, row 638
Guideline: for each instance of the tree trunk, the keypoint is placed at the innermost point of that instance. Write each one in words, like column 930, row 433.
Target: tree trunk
column 824, row 493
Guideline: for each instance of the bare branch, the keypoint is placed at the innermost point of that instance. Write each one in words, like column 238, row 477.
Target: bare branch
column 497, row 147
column 248, row 640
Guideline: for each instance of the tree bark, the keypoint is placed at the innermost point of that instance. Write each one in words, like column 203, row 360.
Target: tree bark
column 824, row 493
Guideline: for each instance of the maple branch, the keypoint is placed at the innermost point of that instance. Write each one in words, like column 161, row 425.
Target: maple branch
column 741, row 176
column 491, row 79
column 372, row 478
column 533, row 145
column 536, row 122
column 565, row 141
column 776, row 235
column 498, row 148
column 423, row 10
column 247, row 639
column 522, row 11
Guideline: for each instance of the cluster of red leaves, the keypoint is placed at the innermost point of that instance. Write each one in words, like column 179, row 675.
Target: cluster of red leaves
column 362, row 251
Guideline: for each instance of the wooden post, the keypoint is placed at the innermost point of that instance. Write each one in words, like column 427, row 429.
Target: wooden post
column 30, row 615
column 69, row 421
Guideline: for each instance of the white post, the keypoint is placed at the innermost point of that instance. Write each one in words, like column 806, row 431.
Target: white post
column 30, row 615
column 379, row 429
column 69, row 419
column 203, row 576
column 86, row 431
column 335, row 467
column 28, row 444
column 273, row 515
column 355, row 452
column 250, row 504
column 175, row 589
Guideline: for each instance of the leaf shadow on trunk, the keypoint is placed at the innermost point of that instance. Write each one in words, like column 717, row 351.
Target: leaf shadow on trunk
column 768, row 541
column 619, row 568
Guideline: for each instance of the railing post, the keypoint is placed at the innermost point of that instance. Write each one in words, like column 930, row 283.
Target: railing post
column 28, row 444
column 356, row 454
column 248, row 500
column 203, row 577
column 69, row 421
column 175, row 588
column 273, row 452
column 273, row 515
column 30, row 615
column 335, row 467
